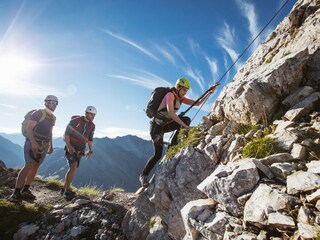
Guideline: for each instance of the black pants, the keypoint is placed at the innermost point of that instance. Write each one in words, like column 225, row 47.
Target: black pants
column 156, row 133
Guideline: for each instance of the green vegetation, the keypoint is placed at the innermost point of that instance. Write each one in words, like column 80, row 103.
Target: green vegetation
column 114, row 189
column 2, row 192
column 260, row 148
column 152, row 222
column 293, row 213
column 243, row 129
column 186, row 138
column 269, row 60
column 286, row 53
column 110, row 211
column 52, row 182
column 13, row 214
column 92, row 190
column 269, row 129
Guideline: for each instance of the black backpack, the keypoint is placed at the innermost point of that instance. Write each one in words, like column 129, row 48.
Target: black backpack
column 156, row 97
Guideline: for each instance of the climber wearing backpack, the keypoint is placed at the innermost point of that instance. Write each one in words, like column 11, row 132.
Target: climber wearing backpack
column 37, row 128
column 164, row 119
column 79, row 132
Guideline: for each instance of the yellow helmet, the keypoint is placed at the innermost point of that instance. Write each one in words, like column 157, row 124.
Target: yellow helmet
column 183, row 82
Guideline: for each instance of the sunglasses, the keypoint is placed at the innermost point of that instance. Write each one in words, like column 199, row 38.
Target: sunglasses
column 184, row 89
column 53, row 102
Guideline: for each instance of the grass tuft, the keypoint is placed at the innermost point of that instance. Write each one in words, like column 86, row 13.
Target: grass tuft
column 53, row 182
column 92, row 190
column 269, row 60
column 260, row 148
column 14, row 214
column 243, row 129
column 186, row 138
column 152, row 222
column 115, row 190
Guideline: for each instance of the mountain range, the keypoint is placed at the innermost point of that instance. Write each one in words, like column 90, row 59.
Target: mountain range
column 19, row 139
column 11, row 153
column 115, row 163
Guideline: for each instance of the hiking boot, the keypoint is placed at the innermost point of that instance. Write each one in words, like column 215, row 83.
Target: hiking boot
column 15, row 198
column 62, row 191
column 144, row 181
column 27, row 194
column 68, row 195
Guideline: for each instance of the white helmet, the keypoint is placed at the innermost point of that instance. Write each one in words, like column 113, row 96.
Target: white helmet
column 91, row 109
column 51, row 98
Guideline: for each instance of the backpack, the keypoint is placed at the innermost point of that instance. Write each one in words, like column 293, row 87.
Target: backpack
column 79, row 129
column 27, row 118
column 155, row 100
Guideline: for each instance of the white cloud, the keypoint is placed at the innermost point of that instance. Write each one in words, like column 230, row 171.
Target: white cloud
column 10, row 130
column 232, row 53
column 196, row 75
column 178, row 52
column 226, row 36
column 146, row 80
column 194, row 46
column 248, row 11
column 225, row 62
column 131, row 43
column 213, row 65
column 23, row 88
column 7, row 106
column 227, row 42
column 166, row 54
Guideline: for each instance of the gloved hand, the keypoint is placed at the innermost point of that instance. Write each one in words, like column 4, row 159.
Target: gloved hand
column 213, row 87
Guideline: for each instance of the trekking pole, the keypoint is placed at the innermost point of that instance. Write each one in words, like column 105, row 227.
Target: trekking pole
column 195, row 102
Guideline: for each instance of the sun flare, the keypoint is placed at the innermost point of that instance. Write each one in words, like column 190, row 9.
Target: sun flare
column 14, row 67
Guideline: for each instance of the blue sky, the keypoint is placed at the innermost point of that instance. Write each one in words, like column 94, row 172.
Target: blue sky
column 112, row 53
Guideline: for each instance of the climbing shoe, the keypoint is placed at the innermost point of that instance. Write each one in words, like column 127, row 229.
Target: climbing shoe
column 62, row 191
column 68, row 195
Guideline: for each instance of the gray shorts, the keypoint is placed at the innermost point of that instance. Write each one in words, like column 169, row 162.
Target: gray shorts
column 27, row 148
column 72, row 158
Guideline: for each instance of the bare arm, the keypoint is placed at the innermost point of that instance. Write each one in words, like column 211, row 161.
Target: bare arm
column 30, row 135
column 174, row 116
column 66, row 139
column 50, row 150
column 88, row 154
column 204, row 98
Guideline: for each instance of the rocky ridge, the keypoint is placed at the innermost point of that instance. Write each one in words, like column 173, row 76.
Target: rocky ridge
column 87, row 216
column 211, row 191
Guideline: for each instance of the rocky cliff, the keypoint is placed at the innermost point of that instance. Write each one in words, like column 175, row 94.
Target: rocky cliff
column 255, row 173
